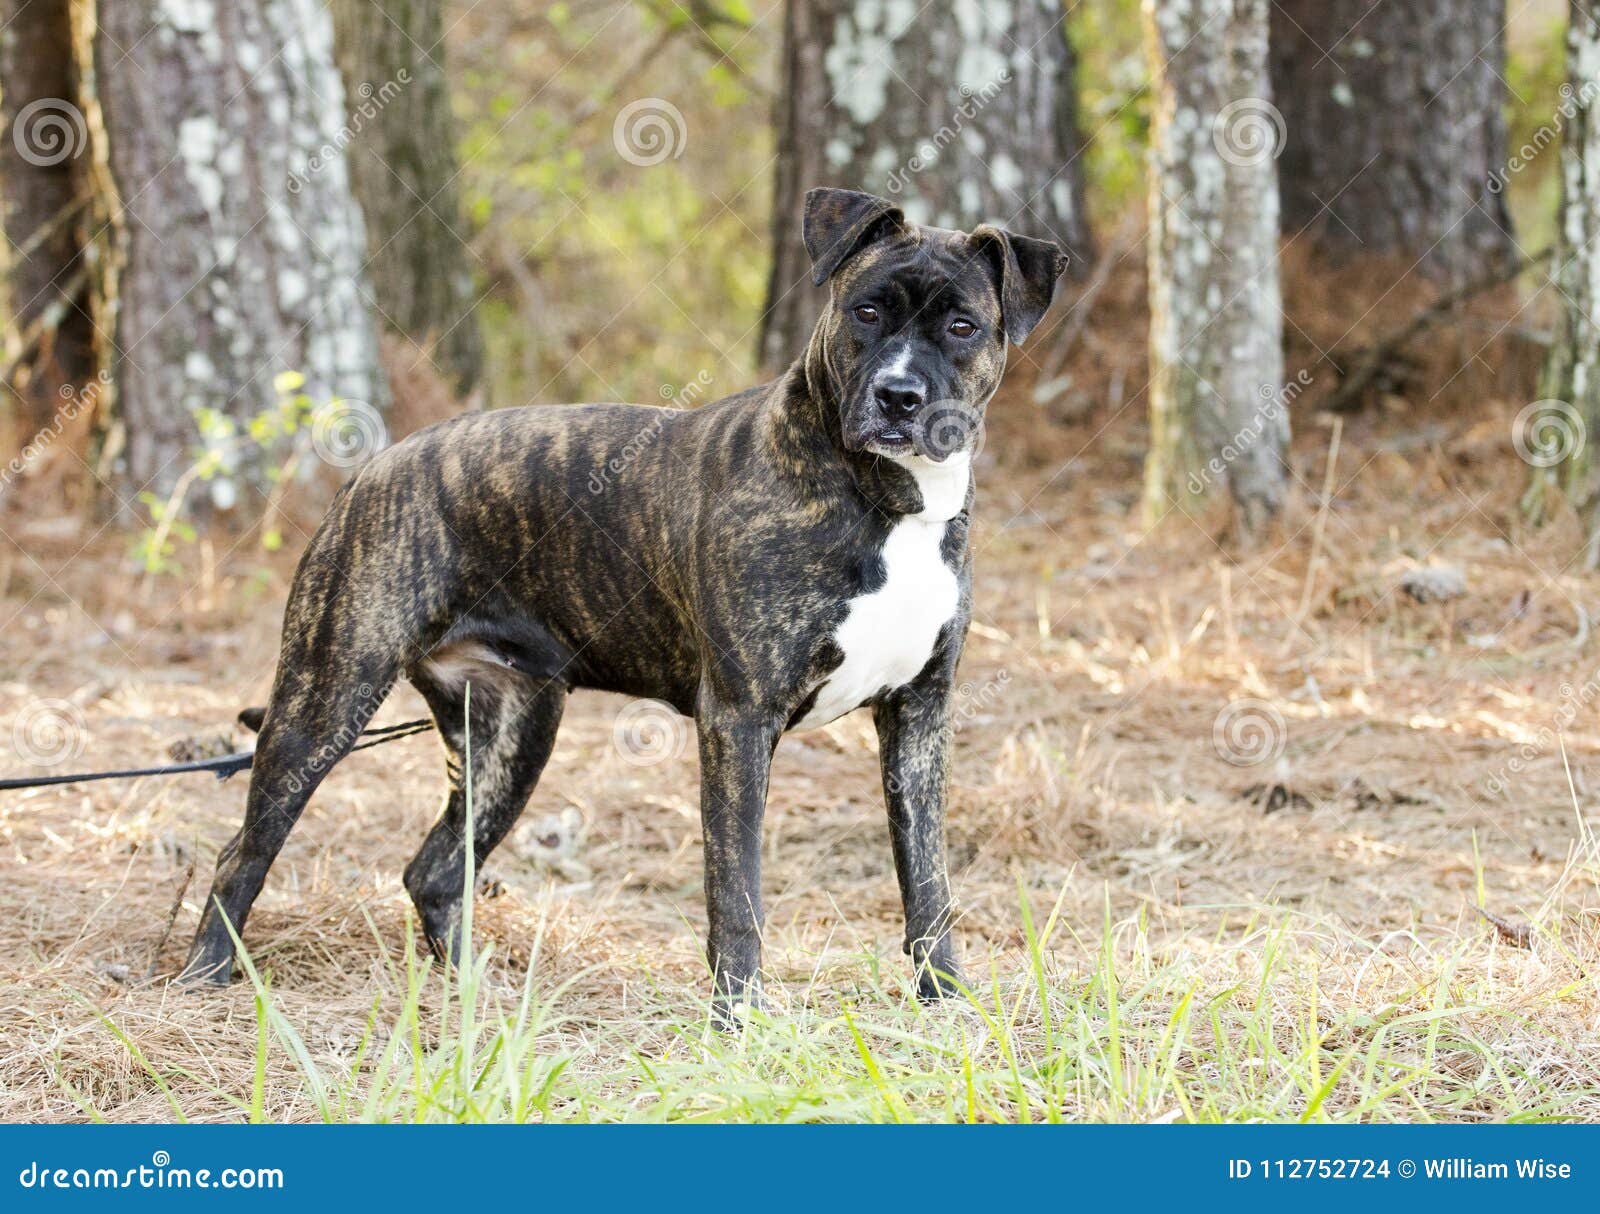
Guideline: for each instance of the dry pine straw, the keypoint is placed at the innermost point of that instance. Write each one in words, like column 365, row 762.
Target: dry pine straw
column 1085, row 769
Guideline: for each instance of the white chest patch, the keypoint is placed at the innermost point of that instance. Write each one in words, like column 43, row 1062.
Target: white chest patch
column 888, row 635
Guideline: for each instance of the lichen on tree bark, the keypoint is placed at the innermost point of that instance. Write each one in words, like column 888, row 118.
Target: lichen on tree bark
column 1395, row 120
column 241, row 245
column 1571, row 373
column 962, row 112
column 1217, row 408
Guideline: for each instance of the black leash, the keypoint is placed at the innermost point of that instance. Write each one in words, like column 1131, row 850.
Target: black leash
column 222, row 766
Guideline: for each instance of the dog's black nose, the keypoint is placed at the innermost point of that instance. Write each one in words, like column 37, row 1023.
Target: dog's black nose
column 900, row 396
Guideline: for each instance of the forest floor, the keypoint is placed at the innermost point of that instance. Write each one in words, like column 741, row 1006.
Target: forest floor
column 1265, row 910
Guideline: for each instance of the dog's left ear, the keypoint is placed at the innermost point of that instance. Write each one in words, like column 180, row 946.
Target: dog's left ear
column 838, row 222
column 1028, row 270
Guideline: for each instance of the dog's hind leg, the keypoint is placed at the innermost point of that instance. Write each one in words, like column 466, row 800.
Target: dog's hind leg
column 313, row 719
column 513, row 730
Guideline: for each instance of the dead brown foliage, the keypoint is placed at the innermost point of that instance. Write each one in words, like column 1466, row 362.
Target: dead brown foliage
column 1421, row 745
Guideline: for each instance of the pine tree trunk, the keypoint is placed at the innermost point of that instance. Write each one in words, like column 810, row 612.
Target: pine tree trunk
column 1394, row 111
column 43, row 140
column 1557, row 433
column 241, row 245
column 961, row 113
column 1217, row 409
column 403, row 168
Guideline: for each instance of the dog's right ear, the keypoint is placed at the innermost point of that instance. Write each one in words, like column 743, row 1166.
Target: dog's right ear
column 840, row 222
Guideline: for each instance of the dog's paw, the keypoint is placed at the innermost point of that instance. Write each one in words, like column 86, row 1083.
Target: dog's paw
column 730, row 1012
column 934, row 985
column 200, row 976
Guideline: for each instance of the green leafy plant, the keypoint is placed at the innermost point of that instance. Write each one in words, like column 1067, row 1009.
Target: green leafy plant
column 276, row 441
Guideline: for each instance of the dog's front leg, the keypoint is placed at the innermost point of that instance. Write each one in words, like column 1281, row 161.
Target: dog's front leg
column 914, row 751
column 736, row 748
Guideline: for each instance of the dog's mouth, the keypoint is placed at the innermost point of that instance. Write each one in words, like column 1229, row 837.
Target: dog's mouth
column 885, row 440
column 934, row 434
column 900, row 443
column 892, row 441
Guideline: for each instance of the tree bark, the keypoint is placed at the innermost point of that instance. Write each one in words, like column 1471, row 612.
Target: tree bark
column 1557, row 433
column 961, row 113
column 1394, row 111
column 1217, row 402
column 43, row 138
column 241, row 245
column 403, row 168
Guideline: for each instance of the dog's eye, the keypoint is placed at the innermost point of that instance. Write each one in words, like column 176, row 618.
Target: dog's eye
column 962, row 328
column 866, row 314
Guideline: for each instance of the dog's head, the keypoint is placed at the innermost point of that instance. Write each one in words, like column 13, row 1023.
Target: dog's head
column 913, row 341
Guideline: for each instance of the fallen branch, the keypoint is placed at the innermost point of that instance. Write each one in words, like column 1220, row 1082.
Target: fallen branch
column 1361, row 367
column 595, row 103
column 48, row 321
column 1516, row 932
column 172, row 917
column 1065, row 337
column 49, row 228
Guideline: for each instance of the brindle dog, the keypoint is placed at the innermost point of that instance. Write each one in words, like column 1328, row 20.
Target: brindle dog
column 765, row 563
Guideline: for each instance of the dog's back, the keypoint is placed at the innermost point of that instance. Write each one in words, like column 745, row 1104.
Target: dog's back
column 545, row 533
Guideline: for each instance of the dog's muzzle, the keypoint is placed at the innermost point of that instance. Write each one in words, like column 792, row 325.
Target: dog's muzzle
column 900, row 420
column 888, row 420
